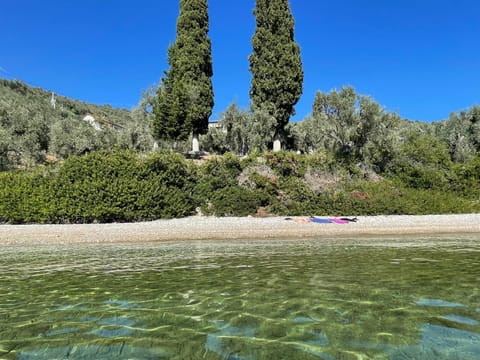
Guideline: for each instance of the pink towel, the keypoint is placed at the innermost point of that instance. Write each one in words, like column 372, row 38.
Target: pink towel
column 339, row 221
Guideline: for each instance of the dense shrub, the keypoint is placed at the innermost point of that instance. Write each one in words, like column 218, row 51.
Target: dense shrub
column 26, row 197
column 466, row 179
column 124, row 186
column 294, row 197
column 235, row 201
column 168, row 182
column 424, row 163
column 286, row 163
column 215, row 174
column 389, row 197
column 101, row 187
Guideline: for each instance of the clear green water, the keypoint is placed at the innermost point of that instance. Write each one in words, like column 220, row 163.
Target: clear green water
column 407, row 298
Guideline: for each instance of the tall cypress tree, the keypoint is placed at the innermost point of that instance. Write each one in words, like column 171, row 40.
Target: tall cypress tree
column 185, row 96
column 275, row 64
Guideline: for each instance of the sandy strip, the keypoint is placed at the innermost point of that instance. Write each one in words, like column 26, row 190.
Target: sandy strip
column 212, row 228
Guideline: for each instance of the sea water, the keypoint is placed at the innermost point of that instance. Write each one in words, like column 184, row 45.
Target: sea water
column 378, row 298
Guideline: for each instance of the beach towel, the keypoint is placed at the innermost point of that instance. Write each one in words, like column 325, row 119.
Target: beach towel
column 339, row 221
column 320, row 221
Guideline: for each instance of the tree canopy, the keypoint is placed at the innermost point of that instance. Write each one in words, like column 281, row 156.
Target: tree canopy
column 275, row 64
column 185, row 96
column 353, row 127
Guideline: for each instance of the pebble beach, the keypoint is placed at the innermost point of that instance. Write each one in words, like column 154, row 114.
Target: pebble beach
column 231, row 228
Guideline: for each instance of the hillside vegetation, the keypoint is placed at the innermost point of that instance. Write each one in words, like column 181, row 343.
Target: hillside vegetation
column 355, row 159
column 33, row 132
column 126, row 186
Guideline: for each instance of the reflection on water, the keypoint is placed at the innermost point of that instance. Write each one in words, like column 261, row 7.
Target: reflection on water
column 407, row 298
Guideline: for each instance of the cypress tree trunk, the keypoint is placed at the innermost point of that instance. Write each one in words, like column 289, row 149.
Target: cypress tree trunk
column 275, row 64
column 185, row 97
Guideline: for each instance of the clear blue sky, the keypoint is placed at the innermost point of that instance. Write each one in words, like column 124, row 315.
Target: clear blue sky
column 420, row 58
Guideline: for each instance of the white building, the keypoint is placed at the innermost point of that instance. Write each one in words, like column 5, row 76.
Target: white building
column 91, row 120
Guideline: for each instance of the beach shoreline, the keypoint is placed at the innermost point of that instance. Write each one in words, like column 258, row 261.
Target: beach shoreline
column 237, row 228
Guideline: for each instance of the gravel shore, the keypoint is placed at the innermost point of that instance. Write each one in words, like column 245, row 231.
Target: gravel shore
column 229, row 228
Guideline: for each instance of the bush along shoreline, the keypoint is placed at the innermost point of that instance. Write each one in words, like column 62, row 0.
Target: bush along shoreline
column 124, row 186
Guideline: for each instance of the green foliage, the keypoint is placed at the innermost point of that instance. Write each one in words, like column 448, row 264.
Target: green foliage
column 461, row 133
column 310, row 134
column 367, row 198
column 214, row 141
column 387, row 197
column 238, row 127
column 243, row 131
column 217, row 173
column 5, row 143
column 26, row 197
column 264, row 129
column 294, row 198
column 354, row 128
column 185, row 97
column 466, row 179
column 32, row 131
column 137, row 133
column 101, row 187
column 95, row 187
column 76, row 137
column 234, row 133
column 423, row 163
column 287, row 164
column 235, row 201
column 124, row 186
column 275, row 64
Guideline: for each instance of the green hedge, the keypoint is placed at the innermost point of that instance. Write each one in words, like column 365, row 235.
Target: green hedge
column 235, row 201
column 100, row 187
column 124, row 186
column 26, row 197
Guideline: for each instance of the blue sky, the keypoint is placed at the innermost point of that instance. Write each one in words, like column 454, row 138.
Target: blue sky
column 420, row 58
